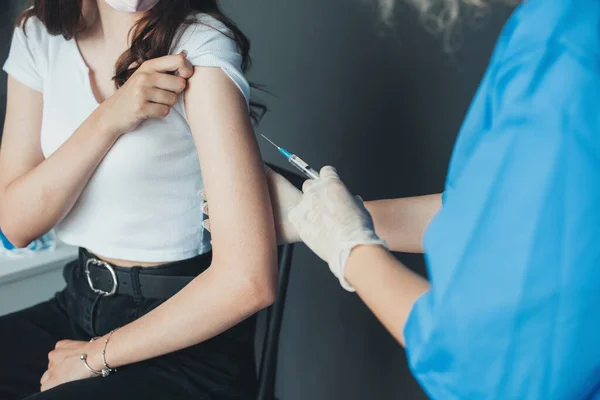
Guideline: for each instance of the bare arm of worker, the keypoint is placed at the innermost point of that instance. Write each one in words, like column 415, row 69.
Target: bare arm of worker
column 37, row 193
column 242, row 278
column 402, row 222
column 399, row 222
column 368, row 267
column 336, row 226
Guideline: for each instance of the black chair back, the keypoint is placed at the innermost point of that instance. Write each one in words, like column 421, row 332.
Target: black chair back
column 267, row 370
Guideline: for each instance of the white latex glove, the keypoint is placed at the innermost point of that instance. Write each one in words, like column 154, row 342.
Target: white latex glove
column 332, row 222
column 284, row 196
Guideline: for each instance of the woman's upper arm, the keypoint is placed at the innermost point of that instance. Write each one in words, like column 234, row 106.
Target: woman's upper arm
column 21, row 148
column 241, row 218
column 26, row 65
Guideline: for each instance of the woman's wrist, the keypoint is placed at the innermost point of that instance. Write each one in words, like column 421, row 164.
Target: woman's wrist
column 101, row 123
column 97, row 354
column 94, row 353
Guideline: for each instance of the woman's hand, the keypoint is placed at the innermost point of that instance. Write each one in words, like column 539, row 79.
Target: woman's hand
column 284, row 197
column 150, row 92
column 332, row 222
column 65, row 365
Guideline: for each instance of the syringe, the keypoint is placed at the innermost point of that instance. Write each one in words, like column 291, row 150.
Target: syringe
column 296, row 161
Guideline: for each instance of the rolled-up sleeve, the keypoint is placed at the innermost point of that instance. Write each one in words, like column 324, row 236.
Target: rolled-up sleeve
column 24, row 62
column 514, row 258
column 209, row 43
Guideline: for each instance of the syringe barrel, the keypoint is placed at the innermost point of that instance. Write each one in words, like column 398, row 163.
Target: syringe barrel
column 301, row 165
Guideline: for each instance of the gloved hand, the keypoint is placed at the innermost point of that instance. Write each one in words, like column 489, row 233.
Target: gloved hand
column 332, row 222
column 284, row 196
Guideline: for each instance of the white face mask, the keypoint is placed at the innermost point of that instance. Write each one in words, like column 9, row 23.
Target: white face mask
column 131, row 6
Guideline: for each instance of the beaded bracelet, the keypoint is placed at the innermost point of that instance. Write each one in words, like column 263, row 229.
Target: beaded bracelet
column 83, row 357
column 106, row 370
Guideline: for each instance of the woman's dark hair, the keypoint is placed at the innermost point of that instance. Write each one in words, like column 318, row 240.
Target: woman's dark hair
column 153, row 35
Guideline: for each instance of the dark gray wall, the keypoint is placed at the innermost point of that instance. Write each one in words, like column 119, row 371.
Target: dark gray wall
column 382, row 105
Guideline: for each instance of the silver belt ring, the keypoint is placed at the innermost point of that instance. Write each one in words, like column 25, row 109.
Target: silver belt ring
column 110, row 269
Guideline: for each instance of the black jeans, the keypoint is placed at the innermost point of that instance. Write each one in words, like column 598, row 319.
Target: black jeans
column 219, row 368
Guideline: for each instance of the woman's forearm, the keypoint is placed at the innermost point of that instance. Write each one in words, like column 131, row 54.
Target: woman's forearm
column 33, row 203
column 214, row 302
column 386, row 286
column 402, row 222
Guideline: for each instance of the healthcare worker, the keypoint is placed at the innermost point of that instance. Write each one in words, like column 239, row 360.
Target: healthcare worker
column 513, row 252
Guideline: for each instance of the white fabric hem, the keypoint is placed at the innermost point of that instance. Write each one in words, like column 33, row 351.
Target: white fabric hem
column 22, row 78
column 139, row 255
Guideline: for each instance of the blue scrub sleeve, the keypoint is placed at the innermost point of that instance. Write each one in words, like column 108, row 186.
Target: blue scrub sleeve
column 516, row 317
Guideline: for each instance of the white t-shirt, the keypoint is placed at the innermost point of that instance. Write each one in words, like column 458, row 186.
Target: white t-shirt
column 142, row 203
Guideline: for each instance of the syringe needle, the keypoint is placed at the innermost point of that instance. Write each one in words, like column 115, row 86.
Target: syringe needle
column 295, row 161
column 269, row 140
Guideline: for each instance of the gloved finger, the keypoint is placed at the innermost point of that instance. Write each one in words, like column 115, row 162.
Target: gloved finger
column 302, row 214
column 328, row 172
column 295, row 215
column 206, row 224
column 361, row 204
column 366, row 213
column 202, row 195
column 307, row 184
column 205, row 208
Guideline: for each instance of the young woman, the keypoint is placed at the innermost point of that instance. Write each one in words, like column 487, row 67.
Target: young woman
column 119, row 112
column 512, row 253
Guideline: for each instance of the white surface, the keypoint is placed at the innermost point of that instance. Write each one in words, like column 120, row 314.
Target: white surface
column 13, row 269
column 28, row 281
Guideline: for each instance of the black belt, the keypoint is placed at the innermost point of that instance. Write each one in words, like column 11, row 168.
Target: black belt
column 108, row 280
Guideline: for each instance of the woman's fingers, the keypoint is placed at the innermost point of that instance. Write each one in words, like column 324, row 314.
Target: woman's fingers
column 44, row 378
column 62, row 343
column 172, row 63
column 175, row 84
column 165, row 97
column 154, row 110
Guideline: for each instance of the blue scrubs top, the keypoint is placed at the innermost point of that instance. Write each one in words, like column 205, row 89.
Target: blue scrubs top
column 514, row 254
